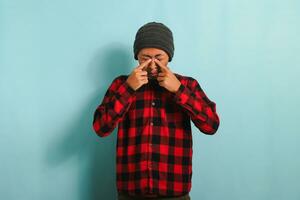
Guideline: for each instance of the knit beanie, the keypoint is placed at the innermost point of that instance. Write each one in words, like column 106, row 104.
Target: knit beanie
column 156, row 35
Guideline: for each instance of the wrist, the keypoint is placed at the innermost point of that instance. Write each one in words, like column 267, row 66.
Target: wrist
column 177, row 87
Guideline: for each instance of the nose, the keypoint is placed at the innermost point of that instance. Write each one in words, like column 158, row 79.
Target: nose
column 153, row 67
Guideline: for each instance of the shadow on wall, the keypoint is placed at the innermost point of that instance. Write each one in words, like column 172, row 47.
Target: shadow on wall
column 96, row 156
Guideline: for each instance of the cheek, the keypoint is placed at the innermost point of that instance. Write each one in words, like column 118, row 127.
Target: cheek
column 141, row 61
column 165, row 62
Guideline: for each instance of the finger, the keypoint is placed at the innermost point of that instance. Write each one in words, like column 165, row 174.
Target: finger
column 142, row 65
column 162, row 67
column 161, row 83
column 160, row 79
column 142, row 73
column 144, row 81
column 143, row 77
column 162, row 74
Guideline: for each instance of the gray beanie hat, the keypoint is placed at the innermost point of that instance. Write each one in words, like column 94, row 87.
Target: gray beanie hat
column 154, row 34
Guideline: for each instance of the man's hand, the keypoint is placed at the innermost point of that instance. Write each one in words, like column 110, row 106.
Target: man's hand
column 166, row 78
column 138, row 77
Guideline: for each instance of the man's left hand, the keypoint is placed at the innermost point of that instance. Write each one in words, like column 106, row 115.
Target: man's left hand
column 166, row 78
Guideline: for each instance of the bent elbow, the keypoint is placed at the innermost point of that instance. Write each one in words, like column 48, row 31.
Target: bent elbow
column 215, row 126
column 210, row 128
column 101, row 130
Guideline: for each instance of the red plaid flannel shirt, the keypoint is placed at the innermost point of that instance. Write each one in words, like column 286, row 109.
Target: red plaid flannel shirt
column 154, row 140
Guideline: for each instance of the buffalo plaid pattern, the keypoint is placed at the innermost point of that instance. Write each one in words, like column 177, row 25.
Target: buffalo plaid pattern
column 154, row 139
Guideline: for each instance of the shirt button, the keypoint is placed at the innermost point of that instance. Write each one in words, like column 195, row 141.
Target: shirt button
column 151, row 123
column 153, row 103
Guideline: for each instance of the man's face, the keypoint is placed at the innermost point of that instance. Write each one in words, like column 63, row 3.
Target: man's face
column 152, row 53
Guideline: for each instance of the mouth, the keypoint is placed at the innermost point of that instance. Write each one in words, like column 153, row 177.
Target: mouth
column 152, row 72
column 152, row 76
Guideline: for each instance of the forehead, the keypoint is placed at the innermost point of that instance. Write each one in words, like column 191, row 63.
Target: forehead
column 152, row 52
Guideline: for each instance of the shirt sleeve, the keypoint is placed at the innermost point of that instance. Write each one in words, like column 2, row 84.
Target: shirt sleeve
column 202, row 111
column 114, row 105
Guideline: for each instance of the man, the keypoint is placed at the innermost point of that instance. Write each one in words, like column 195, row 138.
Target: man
column 153, row 108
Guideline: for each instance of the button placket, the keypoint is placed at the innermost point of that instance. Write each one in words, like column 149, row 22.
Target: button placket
column 150, row 147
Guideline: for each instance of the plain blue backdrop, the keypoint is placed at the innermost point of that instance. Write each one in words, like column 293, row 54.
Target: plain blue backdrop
column 58, row 57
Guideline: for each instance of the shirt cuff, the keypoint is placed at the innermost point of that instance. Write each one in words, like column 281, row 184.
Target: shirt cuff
column 123, row 97
column 128, row 88
column 179, row 93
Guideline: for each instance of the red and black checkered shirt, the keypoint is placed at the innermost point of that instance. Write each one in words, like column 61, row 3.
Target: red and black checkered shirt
column 154, row 141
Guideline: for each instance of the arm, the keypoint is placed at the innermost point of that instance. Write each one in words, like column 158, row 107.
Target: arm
column 115, row 104
column 201, row 110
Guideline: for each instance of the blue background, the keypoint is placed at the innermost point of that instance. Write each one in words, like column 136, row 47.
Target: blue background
column 57, row 58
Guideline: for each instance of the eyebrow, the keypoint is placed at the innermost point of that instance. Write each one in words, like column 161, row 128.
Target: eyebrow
column 145, row 55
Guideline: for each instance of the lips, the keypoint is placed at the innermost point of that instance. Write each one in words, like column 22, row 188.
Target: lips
column 152, row 76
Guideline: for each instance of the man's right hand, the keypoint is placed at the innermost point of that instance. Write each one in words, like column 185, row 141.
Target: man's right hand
column 138, row 76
